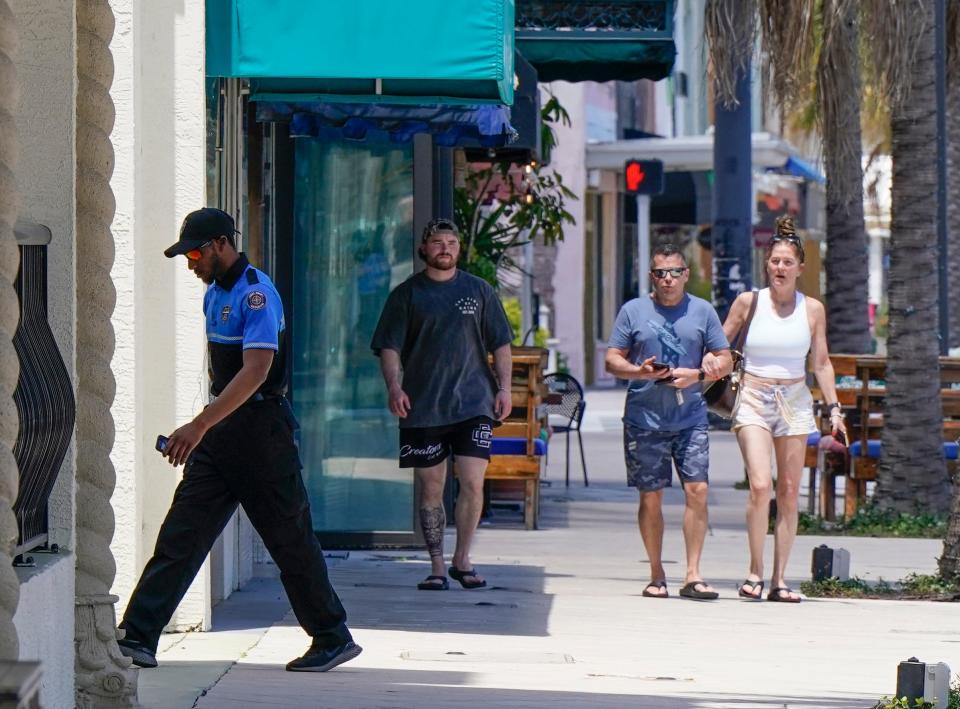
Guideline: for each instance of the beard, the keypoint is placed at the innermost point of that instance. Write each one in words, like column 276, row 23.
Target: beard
column 444, row 264
column 215, row 270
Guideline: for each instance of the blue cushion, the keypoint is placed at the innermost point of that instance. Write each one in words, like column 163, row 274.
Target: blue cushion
column 517, row 446
column 814, row 438
column 873, row 449
column 950, row 450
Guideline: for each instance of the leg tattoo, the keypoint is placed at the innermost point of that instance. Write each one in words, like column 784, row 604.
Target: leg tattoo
column 433, row 520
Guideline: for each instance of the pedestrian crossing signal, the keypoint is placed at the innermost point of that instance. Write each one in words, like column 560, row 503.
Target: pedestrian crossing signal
column 643, row 176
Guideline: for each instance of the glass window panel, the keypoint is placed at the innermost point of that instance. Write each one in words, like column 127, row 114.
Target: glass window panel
column 353, row 242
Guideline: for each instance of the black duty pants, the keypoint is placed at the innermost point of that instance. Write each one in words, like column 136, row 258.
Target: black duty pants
column 248, row 458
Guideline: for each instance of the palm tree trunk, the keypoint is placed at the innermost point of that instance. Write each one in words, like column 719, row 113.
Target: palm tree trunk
column 953, row 201
column 847, row 264
column 949, row 562
column 912, row 472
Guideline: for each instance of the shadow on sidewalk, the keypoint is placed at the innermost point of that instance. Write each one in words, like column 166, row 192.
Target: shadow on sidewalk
column 380, row 592
column 268, row 685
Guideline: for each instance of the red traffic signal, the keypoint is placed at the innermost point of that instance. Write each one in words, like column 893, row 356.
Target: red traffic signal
column 643, row 176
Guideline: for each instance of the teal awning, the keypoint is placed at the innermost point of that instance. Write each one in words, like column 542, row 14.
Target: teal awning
column 597, row 40
column 456, row 51
column 586, row 58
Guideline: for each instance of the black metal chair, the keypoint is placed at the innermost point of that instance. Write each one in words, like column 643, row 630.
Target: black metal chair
column 565, row 399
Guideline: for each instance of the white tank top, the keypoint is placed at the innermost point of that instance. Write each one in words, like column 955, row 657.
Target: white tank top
column 776, row 348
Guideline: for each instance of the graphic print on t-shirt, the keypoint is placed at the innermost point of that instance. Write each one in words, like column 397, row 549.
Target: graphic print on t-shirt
column 671, row 348
column 468, row 306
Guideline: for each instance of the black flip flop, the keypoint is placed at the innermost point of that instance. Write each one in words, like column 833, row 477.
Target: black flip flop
column 461, row 576
column 426, row 584
column 690, row 591
column 756, row 590
column 779, row 595
column 656, row 584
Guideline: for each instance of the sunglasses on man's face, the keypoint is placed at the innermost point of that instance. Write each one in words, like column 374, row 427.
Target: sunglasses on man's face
column 660, row 273
column 196, row 254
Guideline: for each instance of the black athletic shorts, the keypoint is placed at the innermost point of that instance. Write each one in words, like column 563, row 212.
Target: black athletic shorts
column 425, row 447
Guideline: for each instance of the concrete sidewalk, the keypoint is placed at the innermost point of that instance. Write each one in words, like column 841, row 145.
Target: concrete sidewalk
column 564, row 624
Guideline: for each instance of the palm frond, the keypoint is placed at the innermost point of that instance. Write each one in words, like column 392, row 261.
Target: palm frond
column 892, row 31
column 838, row 78
column 730, row 27
column 787, row 30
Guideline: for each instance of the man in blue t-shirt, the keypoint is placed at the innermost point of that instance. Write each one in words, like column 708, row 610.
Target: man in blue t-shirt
column 239, row 450
column 658, row 343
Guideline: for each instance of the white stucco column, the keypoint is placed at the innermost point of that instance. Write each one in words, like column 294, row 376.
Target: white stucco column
column 569, row 159
column 159, row 141
column 9, row 316
column 104, row 677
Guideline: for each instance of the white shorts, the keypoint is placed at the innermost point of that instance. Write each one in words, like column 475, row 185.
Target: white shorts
column 782, row 409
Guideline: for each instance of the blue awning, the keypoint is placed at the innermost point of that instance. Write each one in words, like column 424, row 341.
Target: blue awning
column 488, row 126
column 455, row 51
column 800, row 168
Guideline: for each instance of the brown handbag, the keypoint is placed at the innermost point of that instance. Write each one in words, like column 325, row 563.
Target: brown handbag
column 723, row 395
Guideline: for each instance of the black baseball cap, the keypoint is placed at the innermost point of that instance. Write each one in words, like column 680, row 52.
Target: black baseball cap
column 435, row 226
column 199, row 227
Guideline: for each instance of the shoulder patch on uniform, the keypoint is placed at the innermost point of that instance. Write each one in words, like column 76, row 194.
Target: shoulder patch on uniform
column 252, row 276
column 256, row 300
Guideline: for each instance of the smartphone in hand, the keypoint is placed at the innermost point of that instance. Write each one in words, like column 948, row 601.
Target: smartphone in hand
column 659, row 366
column 162, row 443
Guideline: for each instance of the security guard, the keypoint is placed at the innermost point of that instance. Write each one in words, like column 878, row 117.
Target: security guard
column 239, row 449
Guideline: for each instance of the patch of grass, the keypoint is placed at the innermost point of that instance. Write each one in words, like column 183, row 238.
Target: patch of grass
column 872, row 522
column 913, row 587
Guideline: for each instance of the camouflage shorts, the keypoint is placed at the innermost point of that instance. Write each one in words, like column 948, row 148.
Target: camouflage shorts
column 650, row 456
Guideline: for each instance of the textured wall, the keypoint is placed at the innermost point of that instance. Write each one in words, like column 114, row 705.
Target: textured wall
column 159, row 142
column 44, row 619
column 45, row 123
column 9, row 477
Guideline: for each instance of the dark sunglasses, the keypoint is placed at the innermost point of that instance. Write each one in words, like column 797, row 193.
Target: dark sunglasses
column 786, row 237
column 659, row 273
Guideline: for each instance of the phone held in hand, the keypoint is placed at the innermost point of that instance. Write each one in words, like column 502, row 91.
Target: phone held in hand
column 162, row 443
column 660, row 366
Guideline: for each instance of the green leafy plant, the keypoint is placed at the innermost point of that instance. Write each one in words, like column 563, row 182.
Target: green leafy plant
column 514, row 311
column 912, row 587
column 903, row 703
column 504, row 206
column 873, row 522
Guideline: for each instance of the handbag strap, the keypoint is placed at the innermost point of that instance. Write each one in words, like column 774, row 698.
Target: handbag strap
column 744, row 331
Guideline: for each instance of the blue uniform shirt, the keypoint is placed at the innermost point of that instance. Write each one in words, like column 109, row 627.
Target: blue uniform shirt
column 243, row 312
column 677, row 335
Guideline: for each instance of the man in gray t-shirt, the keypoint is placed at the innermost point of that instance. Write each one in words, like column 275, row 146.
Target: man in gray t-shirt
column 658, row 343
column 433, row 338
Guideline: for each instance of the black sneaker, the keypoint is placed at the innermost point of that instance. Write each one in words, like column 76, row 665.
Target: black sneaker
column 140, row 654
column 319, row 659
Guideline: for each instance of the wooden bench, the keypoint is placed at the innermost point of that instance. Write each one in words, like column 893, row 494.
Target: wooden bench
column 866, row 427
column 518, row 452
column 844, row 366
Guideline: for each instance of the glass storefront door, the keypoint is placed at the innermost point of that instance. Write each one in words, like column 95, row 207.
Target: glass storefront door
column 353, row 242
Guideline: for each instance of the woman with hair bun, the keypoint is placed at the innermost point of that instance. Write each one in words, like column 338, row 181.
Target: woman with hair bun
column 775, row 414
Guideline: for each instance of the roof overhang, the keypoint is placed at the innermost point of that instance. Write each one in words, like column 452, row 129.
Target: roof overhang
column 597, row 40
column 692, row 153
